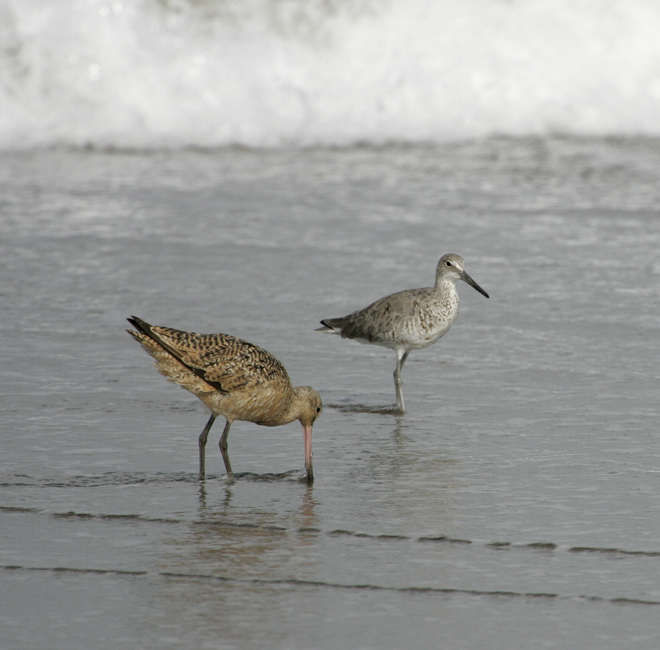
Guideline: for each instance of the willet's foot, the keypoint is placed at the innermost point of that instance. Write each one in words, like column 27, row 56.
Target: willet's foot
column 407, row 320
column 233, row 378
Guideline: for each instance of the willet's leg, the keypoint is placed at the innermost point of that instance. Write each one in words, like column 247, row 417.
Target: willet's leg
column 401, row 356
column 223, row 449
column 202, row 444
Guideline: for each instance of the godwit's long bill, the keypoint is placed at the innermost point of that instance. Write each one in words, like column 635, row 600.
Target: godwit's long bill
column 407, row 320
column 233, row 378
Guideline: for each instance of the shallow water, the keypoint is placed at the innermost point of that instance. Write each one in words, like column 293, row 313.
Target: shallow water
column 514, row 505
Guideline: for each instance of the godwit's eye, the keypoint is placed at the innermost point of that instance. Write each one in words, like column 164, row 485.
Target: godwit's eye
column 318, row 409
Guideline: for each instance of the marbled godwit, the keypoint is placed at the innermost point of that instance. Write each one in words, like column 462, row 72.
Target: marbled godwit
column 407, row 320
column 233, row 378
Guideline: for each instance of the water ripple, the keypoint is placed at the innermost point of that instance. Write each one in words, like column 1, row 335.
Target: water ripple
column 497, row 546
column 322, row 584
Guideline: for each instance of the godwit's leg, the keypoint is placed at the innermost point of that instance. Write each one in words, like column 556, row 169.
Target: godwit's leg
column 401, row 356
column 223, row 449
column 202, row 444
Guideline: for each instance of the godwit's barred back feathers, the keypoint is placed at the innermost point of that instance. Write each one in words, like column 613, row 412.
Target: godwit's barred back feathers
column 233, row 378
column 223, row 362
column 407, row 320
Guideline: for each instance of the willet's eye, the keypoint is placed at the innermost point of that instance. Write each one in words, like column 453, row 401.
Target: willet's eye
column 448, row 263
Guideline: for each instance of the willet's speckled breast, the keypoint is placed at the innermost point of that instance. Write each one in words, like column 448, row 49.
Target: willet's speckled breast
column 407, row 320
column 233, row 378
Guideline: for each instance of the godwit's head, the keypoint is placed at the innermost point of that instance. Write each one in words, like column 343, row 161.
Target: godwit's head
column 308, row 406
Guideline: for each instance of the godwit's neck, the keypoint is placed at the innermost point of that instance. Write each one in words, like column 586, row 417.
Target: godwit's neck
column 290, row 410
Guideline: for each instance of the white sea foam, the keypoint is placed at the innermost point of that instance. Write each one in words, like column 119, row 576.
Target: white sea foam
column 171, row 73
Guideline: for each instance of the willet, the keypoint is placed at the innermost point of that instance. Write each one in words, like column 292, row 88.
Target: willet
column 407, row 320
column 233, row 378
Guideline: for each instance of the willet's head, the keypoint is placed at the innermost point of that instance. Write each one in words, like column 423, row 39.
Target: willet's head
column 452, row 267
